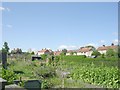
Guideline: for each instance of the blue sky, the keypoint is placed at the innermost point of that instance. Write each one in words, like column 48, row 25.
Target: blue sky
column 59, row 25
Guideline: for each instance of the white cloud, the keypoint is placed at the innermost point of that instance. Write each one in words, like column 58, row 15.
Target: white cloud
column 2, row 8
column 115, row 41
column 69, row 47
column 9, row 26
column 102, row 41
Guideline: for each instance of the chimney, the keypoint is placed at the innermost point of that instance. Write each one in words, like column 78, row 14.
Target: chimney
column 103, row 45
column 112, row 44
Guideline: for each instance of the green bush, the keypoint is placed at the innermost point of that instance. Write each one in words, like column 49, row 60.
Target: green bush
column 44, row 56
column 57, row 58
column 9, row 75
column 46, row 84
column 21, row 83
column 45, row 72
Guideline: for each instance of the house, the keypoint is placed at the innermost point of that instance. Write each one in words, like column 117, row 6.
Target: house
column 103, row 49
column 57, row 53
column 71, row 52
column 85, row 51
column 43, row 51
column 51, row 52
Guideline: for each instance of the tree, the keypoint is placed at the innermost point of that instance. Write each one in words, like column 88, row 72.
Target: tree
column 5, row 47
column 32, row 53
column 92, row 47
column 110, row 53
column 64, row 51
column 118, row 51
column 62, row 54
column 12, row 52
column 103, row 55
column 71, row 53
column 44, row 56
column 4, row 50
column 20, row 51
column 75, row 53
column 16, row 51
column 96, row 53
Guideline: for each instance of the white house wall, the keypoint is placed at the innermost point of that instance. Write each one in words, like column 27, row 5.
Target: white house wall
column 67, row 54
column 79, row 53
column 40, row 53
column 86, row 53
column 102, row 52
column 89, row 53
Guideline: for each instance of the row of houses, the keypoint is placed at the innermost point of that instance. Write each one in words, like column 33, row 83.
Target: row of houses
column 87, row 51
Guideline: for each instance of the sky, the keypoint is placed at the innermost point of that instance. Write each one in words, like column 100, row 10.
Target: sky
column 53, row 25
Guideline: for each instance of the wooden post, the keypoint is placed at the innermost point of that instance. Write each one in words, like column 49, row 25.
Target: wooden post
column 1, row 57
column 20, row 79
column 4, row 60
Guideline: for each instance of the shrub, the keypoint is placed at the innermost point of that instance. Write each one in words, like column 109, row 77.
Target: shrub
column 46, row 84
column 21, row 83
column 45, row 72
column 57, row 58
column 9, row 75
column 44, row 56
column 111, row 53
column 96, row 53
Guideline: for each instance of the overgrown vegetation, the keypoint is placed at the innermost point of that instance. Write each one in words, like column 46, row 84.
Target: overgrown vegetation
column 101, row 70
column 9, row 75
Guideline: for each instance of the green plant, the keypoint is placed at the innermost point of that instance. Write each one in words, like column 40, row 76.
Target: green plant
column 57, row 58
column 46, row 84
column 98, row 71
column 110, row 53
column 44, row 56
column 96, row 53
column 45, row 72
column 5, row 47
column 102, row 75
column 21, row 83
column 9, row 75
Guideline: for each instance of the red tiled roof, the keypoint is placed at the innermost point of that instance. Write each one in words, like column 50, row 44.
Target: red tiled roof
column 69, row 51
column 44, row 50
column 57, row 52
column 85, row 49
column 107, row 47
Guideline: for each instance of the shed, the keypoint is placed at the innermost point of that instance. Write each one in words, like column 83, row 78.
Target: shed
column 36, row 57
